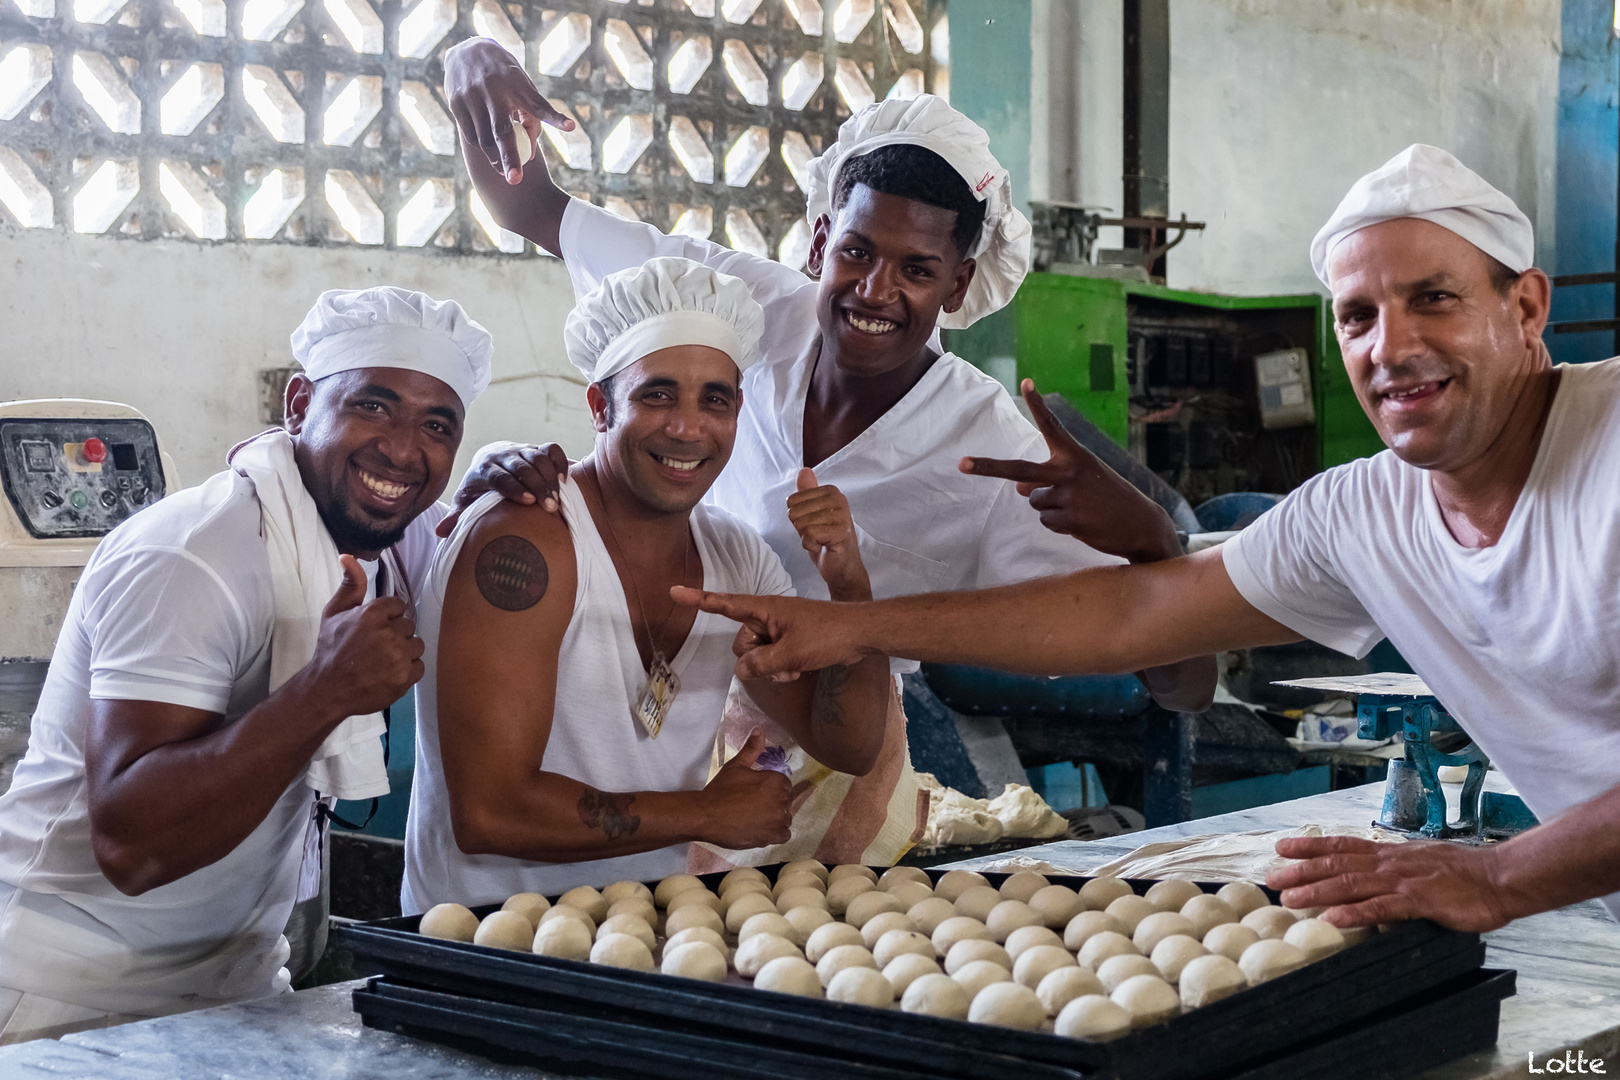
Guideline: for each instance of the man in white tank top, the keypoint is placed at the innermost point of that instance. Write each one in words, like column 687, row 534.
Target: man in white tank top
column 568, row 715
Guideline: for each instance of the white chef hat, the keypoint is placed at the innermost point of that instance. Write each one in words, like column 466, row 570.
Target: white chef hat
column 1428, row 183
column 1002, row 249
column 662, row 303
column 387, row 326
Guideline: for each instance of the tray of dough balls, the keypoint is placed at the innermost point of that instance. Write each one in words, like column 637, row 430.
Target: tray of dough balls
column 934, row 973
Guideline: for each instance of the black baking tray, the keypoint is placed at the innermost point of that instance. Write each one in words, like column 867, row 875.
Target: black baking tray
column 1411, row 963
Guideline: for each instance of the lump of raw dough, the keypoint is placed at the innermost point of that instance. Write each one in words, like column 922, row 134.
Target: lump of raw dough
column 623, row 890
column 1171, row 893
column 1207, row 979
column 1038, row 962
column 1206, row 911
column 842, row 891
column 1243, row 897
column 936, row 995
column 528, row 904
column 1158, row 926
column 673, row 885
column 566, row 939
column 958, row 928
column 586, row 899
column 840, row 957
column 1099, row 892
column 1088, row 924
column 1270, row 922
column 759, row 950
column 563, row 911
column 730, row 894
column 634, row 905
column 847, row 870
column 789, row 975
column 1314, row 938
column 1268, row 958
column 1131, row 910
column 928, row 914
column 1174, row 953
column 807, row 920
column 1149, row 999
column 695, row 898
column 505, row 930
column 979, row 974
column 861, row 986
column 1023, row 885
column 1092, row 1016
column 769, row 922
column 1114, row 971
column 967, row 950
column 622, row 951
column 1100, row 947
column 803, row 879
column 800, row 896
column 910, row 893
column 1062, row 985
column 1230, row 939
column 1010, row 915
column 695, row 960
column 977, row 902
column 899, row 943
column 692, row 915
column 1027, row 937
column 1056, row 905
column 1007, row 1005
column 743, row 873
column 824, row 939
column 746, row 907
column 525, row 143
column 633, row 925
column 906, row 968
column 895, row 875
column 873, row 929
column 696, row 933
column 956, row 882
column 448, row 922
column 807, row 866
column 868, row 904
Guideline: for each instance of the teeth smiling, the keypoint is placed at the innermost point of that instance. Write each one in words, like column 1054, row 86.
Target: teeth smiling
column 383, row 487
column 870, row 326
column 682, row 466
column 1400, row 395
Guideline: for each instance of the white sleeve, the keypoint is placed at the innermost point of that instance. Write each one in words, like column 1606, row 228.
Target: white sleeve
column 164, row 626
column 1284, row 565
column 415, row 549
column 773, row 579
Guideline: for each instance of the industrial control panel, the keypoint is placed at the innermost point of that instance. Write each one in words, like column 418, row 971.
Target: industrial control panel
column 78, row 477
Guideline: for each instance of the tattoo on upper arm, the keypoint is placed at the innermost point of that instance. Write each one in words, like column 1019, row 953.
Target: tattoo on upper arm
column 511, row 573
column 825, row 706
column 608, row 811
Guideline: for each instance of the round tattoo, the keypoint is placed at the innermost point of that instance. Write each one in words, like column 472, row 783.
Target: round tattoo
column 511, row 573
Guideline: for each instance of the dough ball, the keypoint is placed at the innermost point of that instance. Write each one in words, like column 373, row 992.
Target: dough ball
column 566, row 939
column 901, row 943
column 895, row 875
column 827, row 938
column 730, row 894
column 1268, row 958
column 907, row 968
column 634, row 905
column 977, row 902
column 695, row 898
column 968, row 950
column 848, row 870
column 695, row 960
column 1174, row 953
column 623, row 890
column 1209, row 978
column 634, row 925
column 525, row 143
column 840, row 957
column 928, row 914
column 1171, row 893
column 759, row 950
column 530, row 905
column 1149, row 999
column 1023, row 885
column 1270, row 922
column 1062, row 985
column 693, row 915
column 563, row 911
column 873, row 929
column 789, row 975
column 746, row 907
column 1037, row 963
column 1010, row 915
column 1100, row 947
column 1314, row 938
column 1158, row 926
column 978, row 975
column 1230, row 939
column 1092, row 1016
column 800, row 896
column 957, row 928
column 861, row 986
column 448, row 922
column 868, row 904
column 586, row 899
column 910, row 893
column 807, row 920
column 801, row 880
column 936, row 995
column 622, row 951
column 1027, row 937
column 769, row 922
column 673, row 885
column 505, row 930
column 744, row 873
column 1131, row 910
column 810, row 866
column 1114, row 971
column 1088, row 924
column 1308, row 912
column 842, row 891
column 1243, row 897
column 1099, row 892
column 956, row 882
column 1057, row 904
column 1007, row 1005
column 1206, row 911
column 696, row 933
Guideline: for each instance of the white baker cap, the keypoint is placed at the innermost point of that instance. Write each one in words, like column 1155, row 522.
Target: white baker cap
column 662, row 303
column 1428, row 183
column 1002, row 249
column 392, row 327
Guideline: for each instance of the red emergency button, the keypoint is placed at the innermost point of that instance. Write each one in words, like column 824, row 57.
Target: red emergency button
column 95, row 451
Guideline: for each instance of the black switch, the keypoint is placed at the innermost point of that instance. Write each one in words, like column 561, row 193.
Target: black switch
column 51, row 499
column 124, row 457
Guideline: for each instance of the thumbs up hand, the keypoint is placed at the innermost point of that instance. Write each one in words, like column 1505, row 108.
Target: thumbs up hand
column 367, row 654
column 827, row 531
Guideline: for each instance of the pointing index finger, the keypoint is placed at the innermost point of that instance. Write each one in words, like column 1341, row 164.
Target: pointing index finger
column 1017, row 470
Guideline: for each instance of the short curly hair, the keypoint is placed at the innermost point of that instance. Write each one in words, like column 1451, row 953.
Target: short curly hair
column 912, row 172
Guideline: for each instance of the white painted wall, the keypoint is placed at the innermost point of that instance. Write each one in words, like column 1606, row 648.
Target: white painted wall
column 180, row 331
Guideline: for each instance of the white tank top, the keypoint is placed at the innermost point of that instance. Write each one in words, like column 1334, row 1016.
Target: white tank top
column 595, row 736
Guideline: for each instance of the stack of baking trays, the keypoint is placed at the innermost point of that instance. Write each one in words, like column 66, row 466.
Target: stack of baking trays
column 908, row 974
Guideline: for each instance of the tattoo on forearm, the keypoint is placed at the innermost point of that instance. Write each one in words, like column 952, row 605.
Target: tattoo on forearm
column 511, row 573
column 609, row 812
column 825, row 706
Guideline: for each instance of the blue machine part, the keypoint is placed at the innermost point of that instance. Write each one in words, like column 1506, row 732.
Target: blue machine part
column 1428, row 732
column 983, row 692
column 1234, row 510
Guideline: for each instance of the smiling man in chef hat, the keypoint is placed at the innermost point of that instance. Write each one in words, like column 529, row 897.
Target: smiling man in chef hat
column 913, row 229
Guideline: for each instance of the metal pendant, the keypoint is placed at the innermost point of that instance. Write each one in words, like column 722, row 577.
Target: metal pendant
column 657, row 696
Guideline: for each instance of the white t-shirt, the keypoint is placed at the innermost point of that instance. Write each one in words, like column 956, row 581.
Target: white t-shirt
column 595, row 736
column 174, row 606
column 924, row 526
column 1519, row 641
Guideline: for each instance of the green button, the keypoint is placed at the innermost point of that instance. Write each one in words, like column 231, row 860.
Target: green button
column 79, row 500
